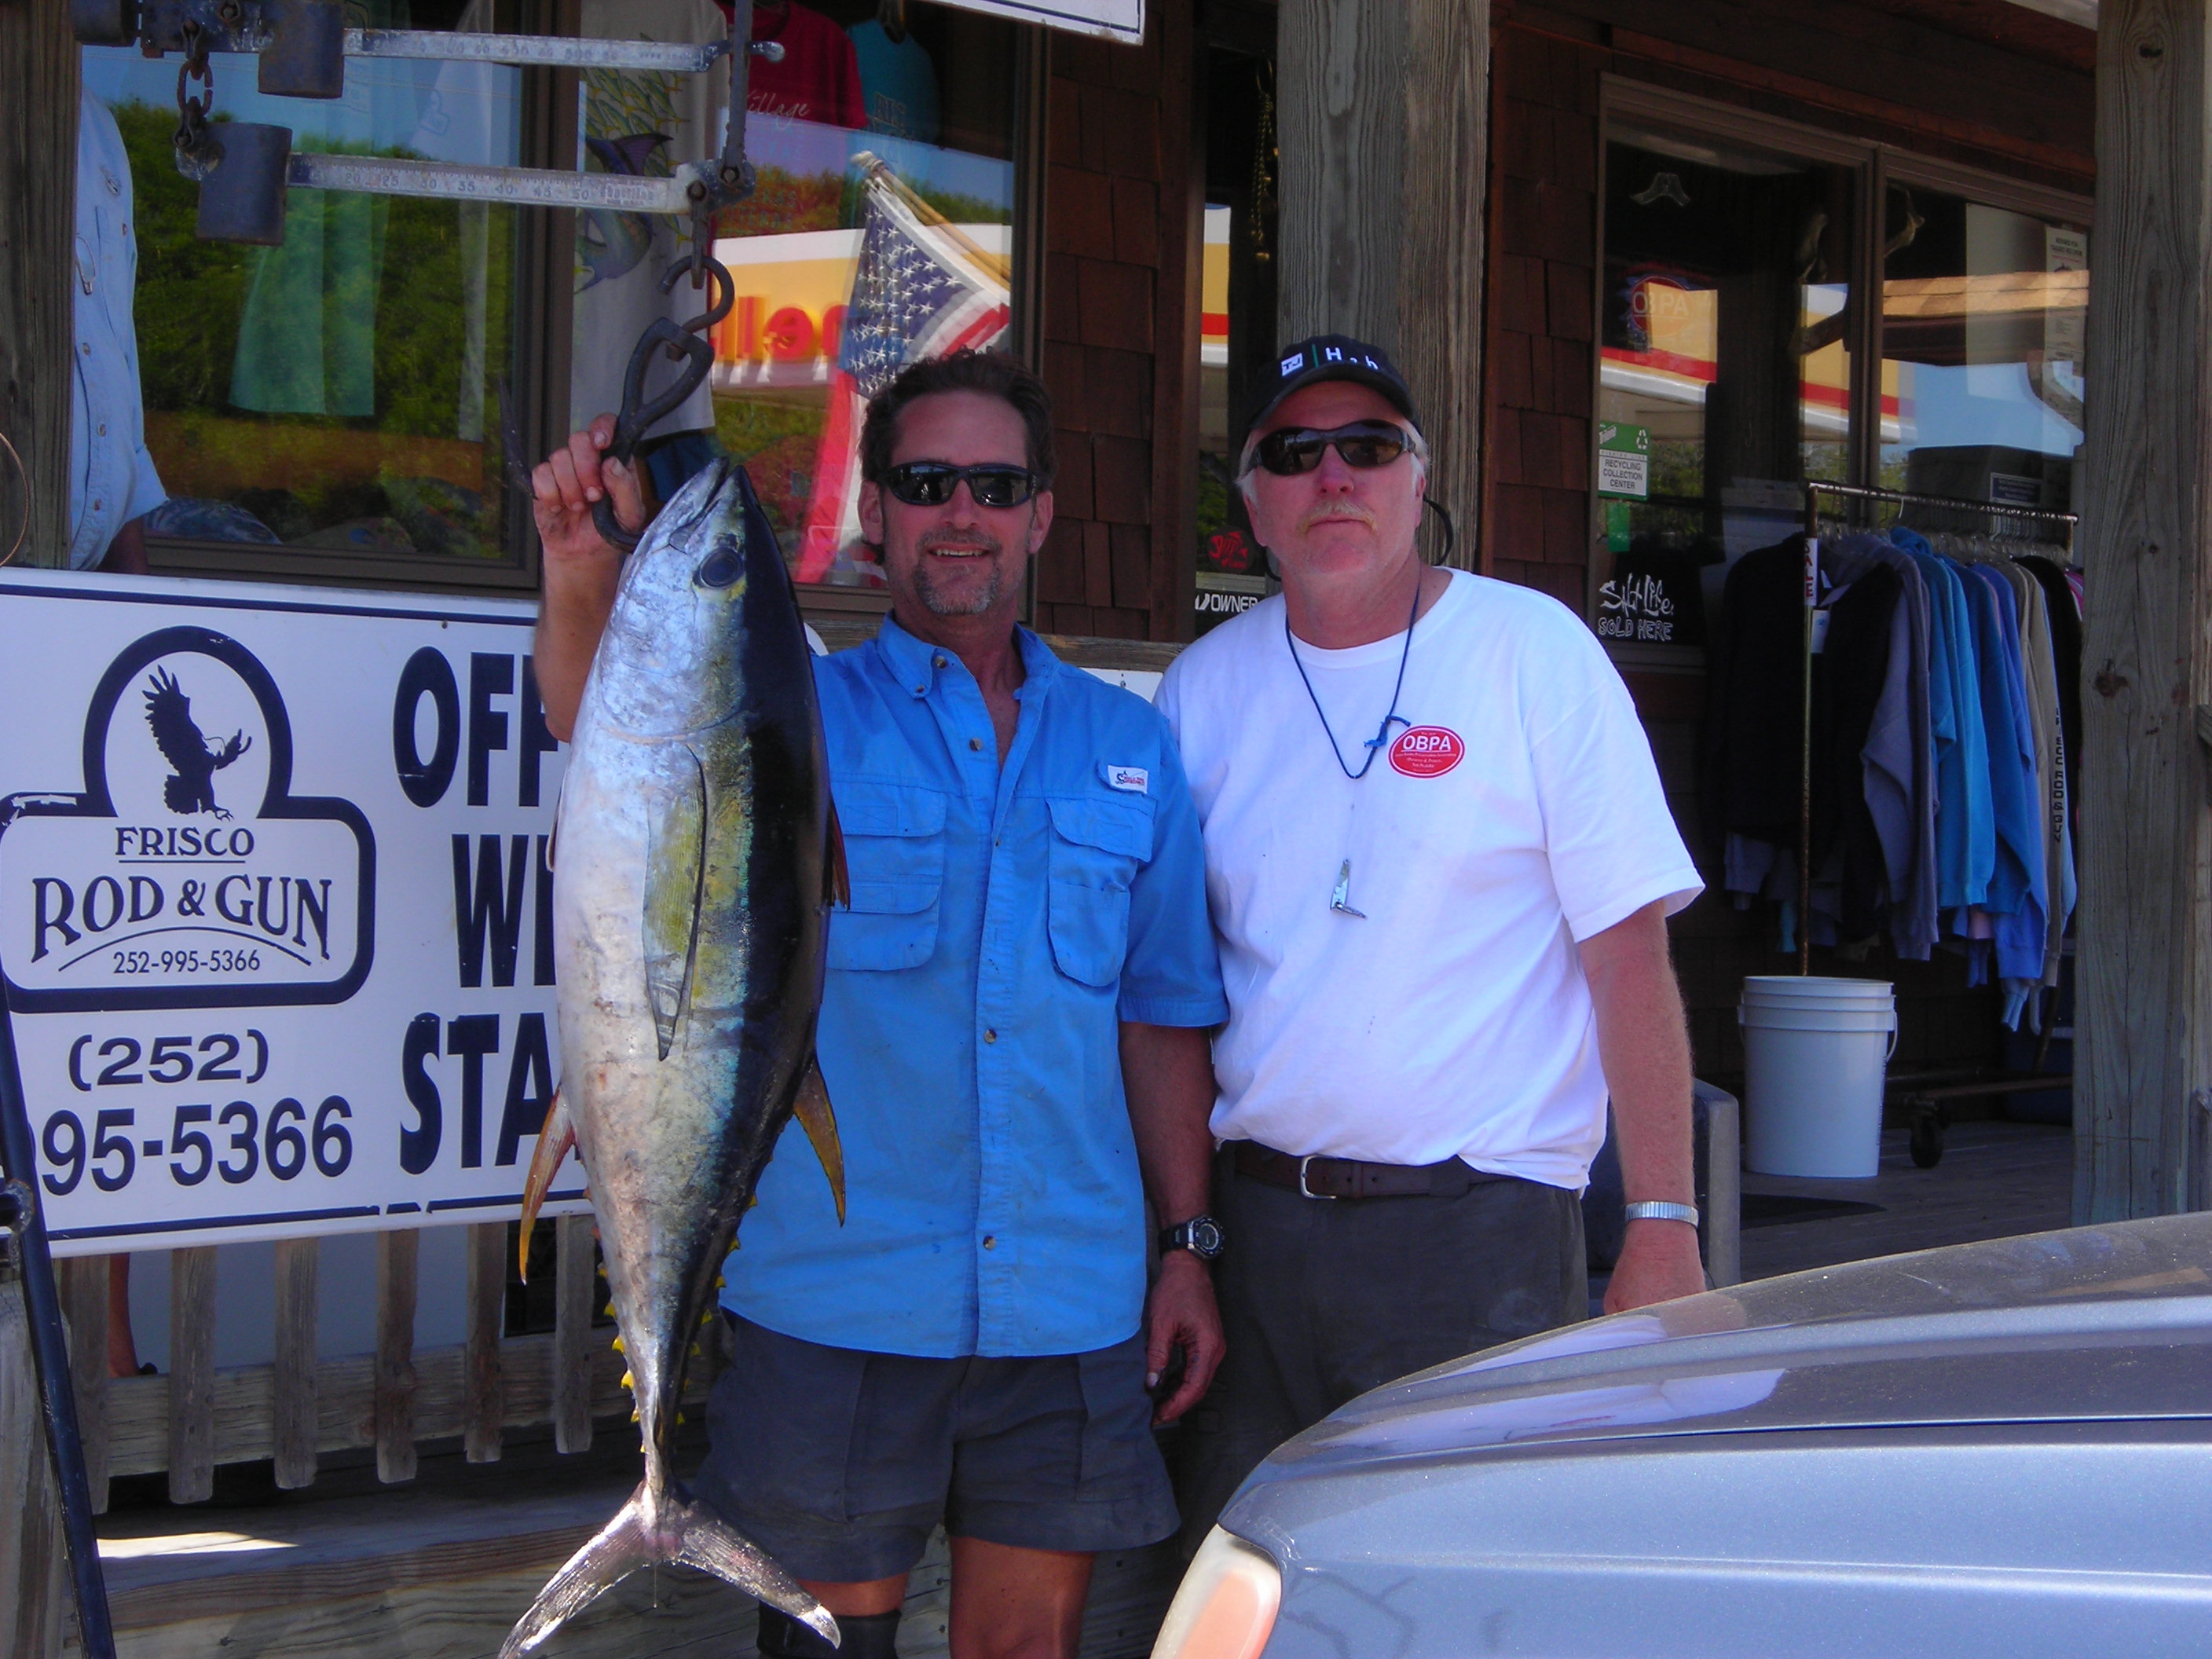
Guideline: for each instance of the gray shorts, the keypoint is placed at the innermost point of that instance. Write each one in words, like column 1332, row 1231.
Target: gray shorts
column 839, row 1462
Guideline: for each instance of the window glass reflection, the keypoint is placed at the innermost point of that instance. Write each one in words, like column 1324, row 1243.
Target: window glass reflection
column 1983, row 314
column 339, row 393
column 1724, row 377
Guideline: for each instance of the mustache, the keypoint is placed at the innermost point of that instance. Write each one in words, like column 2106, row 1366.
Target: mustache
column 976, row 537
column 1325, row 512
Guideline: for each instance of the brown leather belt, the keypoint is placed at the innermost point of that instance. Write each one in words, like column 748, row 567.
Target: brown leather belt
column 1349, row 1177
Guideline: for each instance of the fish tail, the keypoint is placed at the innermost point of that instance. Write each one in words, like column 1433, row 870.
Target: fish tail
column 655, row 1527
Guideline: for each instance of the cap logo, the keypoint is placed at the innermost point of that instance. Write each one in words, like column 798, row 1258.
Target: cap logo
column 1291, row 365
column 1332, row 353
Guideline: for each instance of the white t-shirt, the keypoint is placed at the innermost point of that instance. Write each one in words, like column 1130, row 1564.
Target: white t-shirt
column 1518, row 813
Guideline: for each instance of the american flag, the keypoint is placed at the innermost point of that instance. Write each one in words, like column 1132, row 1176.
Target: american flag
column 921, row 290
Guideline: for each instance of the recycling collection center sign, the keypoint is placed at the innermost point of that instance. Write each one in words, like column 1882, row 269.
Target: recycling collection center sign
column 274, row 906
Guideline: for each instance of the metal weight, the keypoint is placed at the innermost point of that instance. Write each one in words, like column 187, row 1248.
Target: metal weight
column 243, row 199
column 307, row 58
column 104, row 22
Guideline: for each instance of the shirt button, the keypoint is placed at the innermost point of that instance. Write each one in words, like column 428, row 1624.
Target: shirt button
column 974, row 743
column 990, row 1243
column 103, row 428
column 85, row 346
column 990, row 1036
column 937, row 662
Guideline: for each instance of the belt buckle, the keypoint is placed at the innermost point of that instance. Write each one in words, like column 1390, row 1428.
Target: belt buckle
column 1305, row 1191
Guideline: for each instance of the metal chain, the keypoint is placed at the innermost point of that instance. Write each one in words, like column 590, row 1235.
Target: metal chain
column 199, row 152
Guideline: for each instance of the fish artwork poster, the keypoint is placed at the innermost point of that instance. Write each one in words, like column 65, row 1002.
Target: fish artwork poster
column 275, row 897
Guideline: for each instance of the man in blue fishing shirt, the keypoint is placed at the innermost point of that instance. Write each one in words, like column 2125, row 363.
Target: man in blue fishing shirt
column 1014, row 1033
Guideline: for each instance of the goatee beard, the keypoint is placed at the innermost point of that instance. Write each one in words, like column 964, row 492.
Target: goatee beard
column 968, row 602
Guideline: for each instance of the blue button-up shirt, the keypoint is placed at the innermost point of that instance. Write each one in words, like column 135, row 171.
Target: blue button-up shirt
column 1004, row 920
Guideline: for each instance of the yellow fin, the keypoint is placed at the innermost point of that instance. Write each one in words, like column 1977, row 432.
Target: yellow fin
column 555, row 1137
column 675, row 868
column 836, row 878
column 821, row 1126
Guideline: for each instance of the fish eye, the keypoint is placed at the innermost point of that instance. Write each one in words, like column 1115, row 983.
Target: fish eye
column 721, row 567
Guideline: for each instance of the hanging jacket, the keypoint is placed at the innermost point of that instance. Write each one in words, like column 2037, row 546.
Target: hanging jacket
column 2016, row 888
column 1899, row 758
column 1965, row 832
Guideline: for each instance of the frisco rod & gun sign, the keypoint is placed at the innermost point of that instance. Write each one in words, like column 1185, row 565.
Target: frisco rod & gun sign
column 275, row 901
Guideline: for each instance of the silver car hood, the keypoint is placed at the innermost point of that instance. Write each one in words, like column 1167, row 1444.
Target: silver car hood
column 2092, row 1323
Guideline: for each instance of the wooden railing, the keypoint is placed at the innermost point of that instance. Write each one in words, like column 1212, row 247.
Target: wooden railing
column 299, row 1406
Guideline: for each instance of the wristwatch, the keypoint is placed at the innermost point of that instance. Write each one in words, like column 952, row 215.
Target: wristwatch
column 1201, row 1235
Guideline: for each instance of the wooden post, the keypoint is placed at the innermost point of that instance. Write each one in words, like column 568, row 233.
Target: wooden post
column 2145, row 961
column 396, row 1256
column 81, row 1283
column 293, row 1430
column 575, row 1288
column 1382, row 113
column 191, row 1374
column 32, row 1555
column 1447, row 96
column 1340, row 120
column 38, row 229
column 487, row 1311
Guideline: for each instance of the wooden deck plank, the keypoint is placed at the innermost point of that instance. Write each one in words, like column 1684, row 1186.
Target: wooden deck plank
column 192, row 1374
column 33, row 1558
column 575, row 1283
column 345, row 1391
column 397, row 1254
column 81, row 1284
column 1996, row 1180
column 295, row 1373
column 486, row 1302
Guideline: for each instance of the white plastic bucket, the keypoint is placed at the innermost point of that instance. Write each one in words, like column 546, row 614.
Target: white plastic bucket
column 1815, row 1051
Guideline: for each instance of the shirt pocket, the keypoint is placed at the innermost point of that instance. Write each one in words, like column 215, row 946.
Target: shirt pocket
column 895, row 853
column 1097, row 847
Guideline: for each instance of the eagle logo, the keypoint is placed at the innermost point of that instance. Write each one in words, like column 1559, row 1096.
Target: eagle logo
column 193, row 759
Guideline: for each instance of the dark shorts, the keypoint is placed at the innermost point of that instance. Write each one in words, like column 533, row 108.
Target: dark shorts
column 839, row 1462
column 1322, row 1300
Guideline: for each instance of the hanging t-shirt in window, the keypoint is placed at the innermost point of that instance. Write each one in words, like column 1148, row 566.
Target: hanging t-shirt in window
column 898, row 82
column 818, row 79
column 639, row 122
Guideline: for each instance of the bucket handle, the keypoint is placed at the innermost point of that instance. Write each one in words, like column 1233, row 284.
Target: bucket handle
column 1888, row 1054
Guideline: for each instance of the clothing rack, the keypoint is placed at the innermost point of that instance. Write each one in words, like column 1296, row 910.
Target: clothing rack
column 1815, row 488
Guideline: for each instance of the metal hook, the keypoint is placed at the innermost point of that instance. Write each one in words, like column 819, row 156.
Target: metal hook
column 638, row 414
column 719, row 279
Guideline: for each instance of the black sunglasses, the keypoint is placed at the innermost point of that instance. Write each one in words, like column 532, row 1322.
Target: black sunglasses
column 931, row 483
column 1364, row 444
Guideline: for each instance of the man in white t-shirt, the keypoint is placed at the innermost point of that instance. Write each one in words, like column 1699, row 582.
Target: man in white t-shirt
column 1440, row 866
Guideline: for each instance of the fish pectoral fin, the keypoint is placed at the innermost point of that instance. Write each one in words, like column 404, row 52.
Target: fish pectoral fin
column 554, row 1140
column 838, row 883
column 644, row 1532
column 821, row 1126
column 676, row 865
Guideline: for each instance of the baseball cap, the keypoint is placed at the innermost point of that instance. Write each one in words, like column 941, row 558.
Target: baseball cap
column 1330, row 357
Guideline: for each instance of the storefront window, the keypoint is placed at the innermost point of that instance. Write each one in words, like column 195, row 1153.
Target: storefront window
column 881, row 233
column 1981, row 334
column 1236, row 324
column 340, row 394
column 1725, row 362
column 353, row 393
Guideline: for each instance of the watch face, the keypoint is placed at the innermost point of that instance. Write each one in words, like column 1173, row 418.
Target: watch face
column 1205, row 1237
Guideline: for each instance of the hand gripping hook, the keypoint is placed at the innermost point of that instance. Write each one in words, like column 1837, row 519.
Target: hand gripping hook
column 684, row 342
